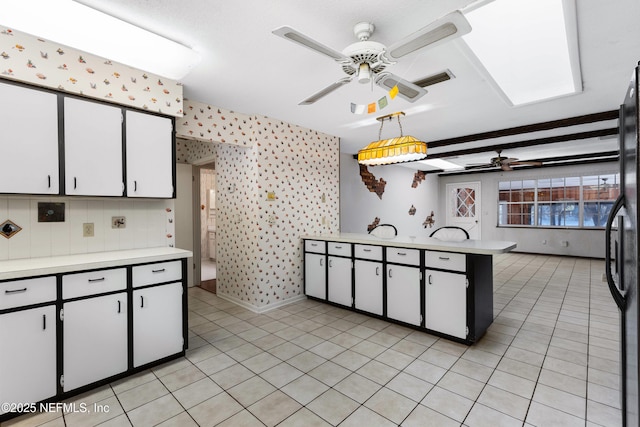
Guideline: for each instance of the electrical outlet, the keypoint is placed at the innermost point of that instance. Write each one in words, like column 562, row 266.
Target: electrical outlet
column 87, row 229
column 118, row 222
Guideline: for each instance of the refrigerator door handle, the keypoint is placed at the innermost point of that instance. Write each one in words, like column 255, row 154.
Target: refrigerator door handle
column 617, row 294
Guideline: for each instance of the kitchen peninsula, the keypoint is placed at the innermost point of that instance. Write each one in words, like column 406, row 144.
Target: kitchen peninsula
column 441, row 287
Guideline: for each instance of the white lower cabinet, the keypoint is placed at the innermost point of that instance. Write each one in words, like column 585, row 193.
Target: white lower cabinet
column 368, row 292
column 28, row 355
column 315, row 275
column 446, row 302
column 157, row 323
column 403, row 294
column 94, row 339
column 339, row 282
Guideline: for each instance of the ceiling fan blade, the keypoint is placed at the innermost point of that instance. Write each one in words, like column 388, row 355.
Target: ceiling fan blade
column 326, row 91
column 480, row 166
column 508, row 161
column 406, row 89
column 439, row 31
column 506, row 167
column 526, row 163
column 295, row 36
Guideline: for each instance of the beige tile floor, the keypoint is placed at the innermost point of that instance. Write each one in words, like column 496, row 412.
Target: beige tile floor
column 550, row 358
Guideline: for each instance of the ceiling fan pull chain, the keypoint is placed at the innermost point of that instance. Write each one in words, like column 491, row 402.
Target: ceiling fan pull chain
column 400, row 125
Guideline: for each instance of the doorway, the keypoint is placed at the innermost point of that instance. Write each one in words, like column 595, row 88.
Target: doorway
column 463, row 207
column 207, row 226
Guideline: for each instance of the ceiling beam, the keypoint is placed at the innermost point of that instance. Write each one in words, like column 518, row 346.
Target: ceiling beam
column 527, row 143
column 536, row 127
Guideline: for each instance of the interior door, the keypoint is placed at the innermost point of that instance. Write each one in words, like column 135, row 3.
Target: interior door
column 463, row 207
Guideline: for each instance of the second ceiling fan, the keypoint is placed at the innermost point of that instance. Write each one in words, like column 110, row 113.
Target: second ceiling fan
column 504, row 163
column 367, row 60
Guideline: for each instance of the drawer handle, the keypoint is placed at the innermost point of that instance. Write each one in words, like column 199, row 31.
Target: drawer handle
column 338, row 247
column 15, row 291
column 49, row 181
column 430, row 279
column 366, row 250
column 158, row 271
column 141, row 301
column 377, row 271
column 314, row 244
column 444, row 258
column 402, row 253
column 390, row 273
column 330, row 265
column 119, row 306
column 320, row 262
column 44, row 322
column 101, row 279
column 75, row 183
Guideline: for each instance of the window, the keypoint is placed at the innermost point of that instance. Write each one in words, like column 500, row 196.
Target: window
column 576, row 202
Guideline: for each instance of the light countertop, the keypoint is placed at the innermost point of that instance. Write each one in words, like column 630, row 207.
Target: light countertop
column 484, row 247
column 27, row 267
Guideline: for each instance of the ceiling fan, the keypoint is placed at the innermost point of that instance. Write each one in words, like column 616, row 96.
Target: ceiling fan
column 504, row 163
column 367, row 60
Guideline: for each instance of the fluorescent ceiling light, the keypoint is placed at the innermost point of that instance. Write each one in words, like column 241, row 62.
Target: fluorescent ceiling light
column 440, row 164
column 528, row 47
column 75, row 25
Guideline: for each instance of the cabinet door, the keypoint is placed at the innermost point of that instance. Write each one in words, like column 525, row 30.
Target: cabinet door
column 368, row 294
column 94, row 340
column 92, row 148
column 28, row 355
column 403, row 294
column 149, row 148
column 446, row 303
column 315, row 276
column 157, row 323
column 340, row 281
column 29, row 135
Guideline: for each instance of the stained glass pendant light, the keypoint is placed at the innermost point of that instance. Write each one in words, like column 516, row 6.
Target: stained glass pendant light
column 394, row 150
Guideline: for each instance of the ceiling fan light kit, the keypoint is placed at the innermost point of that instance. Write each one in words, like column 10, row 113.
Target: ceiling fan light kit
column 367, row 60
column 394, row 150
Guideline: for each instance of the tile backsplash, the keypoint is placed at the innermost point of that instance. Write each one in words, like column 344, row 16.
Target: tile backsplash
column 149, row 223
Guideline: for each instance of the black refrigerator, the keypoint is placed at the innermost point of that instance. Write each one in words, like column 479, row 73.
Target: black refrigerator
column 622, row 253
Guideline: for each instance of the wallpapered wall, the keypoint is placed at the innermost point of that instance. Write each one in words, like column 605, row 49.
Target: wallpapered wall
column 34, row 60
column 259, row 263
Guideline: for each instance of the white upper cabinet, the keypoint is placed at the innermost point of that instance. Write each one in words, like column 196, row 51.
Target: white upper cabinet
column 93, row 148
column 149, row 155
column 29, row 140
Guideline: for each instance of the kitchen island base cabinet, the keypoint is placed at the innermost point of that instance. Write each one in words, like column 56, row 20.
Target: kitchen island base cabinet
column 94, row 339
column 403, row 294
column 340, row 279
column 368, row 293
column 315, row 275
column 157, row 323
column 446, row 303
column 28, row 355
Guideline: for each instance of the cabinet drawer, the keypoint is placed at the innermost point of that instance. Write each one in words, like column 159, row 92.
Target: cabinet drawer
column 403, row 256
column 368, row 252
column 337, row 248
column 93, row 283
column 18, row 293
column 317, row 246
column 446, row 261
column 157, row 273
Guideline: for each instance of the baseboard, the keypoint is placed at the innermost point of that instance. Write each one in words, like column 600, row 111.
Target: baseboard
column 264, row 309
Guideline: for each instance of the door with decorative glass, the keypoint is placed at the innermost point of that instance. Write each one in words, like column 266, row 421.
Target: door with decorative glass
column 463, row 207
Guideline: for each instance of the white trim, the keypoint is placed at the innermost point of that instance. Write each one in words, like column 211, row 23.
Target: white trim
column 264, row 309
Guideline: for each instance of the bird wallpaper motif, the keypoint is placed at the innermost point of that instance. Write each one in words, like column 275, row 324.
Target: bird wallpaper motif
column 259, row 253
column 33, row 60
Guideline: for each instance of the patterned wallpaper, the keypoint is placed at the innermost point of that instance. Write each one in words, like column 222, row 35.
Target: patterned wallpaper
column 205, row 122
column 34, row 60
column 259, row 251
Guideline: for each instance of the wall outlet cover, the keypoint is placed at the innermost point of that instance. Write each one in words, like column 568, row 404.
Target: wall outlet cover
column 87, row 229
